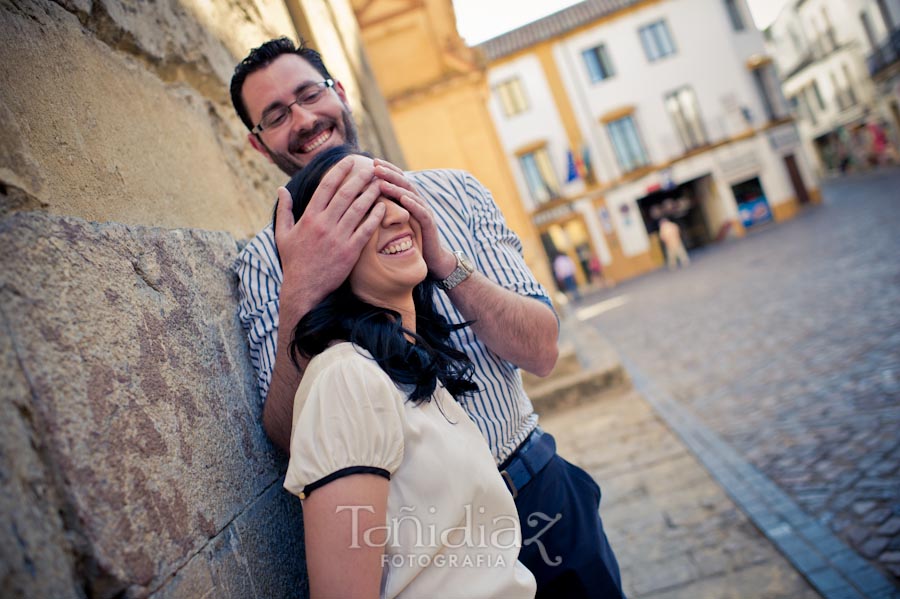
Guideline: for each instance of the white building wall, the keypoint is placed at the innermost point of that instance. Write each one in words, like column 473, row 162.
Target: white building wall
column 720, row 78
column 539, row 123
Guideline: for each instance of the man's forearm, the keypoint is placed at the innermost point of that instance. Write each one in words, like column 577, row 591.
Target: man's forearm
column 279, row 406
column 519, row 329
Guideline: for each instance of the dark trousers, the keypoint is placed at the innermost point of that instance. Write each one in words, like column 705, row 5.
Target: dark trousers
column 563, row 543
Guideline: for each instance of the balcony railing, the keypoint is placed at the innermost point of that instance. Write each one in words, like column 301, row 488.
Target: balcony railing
column 886, row 55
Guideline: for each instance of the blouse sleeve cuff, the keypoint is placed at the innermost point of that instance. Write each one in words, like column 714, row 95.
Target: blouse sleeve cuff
column 308, row 489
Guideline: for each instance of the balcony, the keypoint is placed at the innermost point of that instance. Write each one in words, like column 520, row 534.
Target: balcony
column 885, row 55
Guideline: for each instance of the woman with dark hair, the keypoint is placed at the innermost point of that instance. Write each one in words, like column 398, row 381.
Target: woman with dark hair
column 401, row 496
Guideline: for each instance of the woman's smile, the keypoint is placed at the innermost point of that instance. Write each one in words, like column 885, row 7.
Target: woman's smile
column 398, row 245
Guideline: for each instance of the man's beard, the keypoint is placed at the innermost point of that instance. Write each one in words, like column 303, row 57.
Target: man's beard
column 289, row 165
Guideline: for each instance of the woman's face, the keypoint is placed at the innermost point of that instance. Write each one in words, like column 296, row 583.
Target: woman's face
column 391, row 263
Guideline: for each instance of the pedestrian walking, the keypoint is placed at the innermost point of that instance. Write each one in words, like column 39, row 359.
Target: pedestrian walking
column 670, row 235
column 564, row 271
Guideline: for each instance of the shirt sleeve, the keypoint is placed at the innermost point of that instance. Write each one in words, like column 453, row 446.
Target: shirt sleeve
column 499, row 255
column 349, row 421
column 259, row 284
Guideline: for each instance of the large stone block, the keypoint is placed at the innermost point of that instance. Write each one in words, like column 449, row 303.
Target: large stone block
column 126, row 116
column 36, row 557
column 128, row 395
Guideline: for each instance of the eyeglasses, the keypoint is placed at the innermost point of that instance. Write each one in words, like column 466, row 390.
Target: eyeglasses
column 307, row 96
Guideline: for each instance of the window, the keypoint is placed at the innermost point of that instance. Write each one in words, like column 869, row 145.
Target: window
column 657, row 41
column 870, row 33
column 768, row 87
column 829, row 30
column 818, row 94
column 849, row 79
column 512, row 97
column 734, row 13
column 627, row 144
column 807, row 109
column 597, row 62
column 539, row 175
column 684, row 112
column 808, row 96
column 885, row 15
column 843, row 96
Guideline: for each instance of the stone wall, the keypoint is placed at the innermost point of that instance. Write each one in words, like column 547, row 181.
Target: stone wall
column 132, row 459
column 131, row 454
column 118, row 110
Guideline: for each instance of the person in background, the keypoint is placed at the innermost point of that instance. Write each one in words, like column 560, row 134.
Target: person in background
column 564, row 271
column 670, row 235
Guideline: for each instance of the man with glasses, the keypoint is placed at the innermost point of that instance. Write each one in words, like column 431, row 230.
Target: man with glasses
column 294, row 109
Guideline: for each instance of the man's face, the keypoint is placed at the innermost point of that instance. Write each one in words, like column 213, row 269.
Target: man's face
column 310, row 129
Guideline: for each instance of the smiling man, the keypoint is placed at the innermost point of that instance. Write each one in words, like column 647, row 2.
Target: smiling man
column 294, row 109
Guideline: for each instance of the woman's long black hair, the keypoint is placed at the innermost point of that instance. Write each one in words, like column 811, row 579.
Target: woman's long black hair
column 342, row 316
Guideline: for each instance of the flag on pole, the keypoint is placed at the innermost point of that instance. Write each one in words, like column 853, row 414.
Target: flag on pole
column 586, row 165
column 573, row 172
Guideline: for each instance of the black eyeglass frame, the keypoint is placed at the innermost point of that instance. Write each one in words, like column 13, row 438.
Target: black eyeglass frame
column 322, row 85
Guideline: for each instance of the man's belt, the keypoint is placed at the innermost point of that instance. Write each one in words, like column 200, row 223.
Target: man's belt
column 530, row 458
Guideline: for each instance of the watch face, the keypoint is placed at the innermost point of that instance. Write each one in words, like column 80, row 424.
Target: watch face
column 466, row 263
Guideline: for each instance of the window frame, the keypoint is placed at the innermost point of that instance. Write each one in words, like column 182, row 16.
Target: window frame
column 691, row 132
column 625, row 154
column 513, row 90
column 650, row 32
column 601, row 59
column 735, row 15
column 542, row 179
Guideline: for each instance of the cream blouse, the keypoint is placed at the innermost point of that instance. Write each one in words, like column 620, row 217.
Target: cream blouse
column 453, row 530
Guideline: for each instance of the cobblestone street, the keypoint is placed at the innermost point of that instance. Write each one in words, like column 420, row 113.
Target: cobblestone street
column 786, row 344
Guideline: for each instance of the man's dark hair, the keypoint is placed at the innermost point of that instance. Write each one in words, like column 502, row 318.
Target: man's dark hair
column 343, row 316
column 264, row 56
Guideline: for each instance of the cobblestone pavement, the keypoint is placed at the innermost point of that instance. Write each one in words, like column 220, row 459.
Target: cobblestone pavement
column 675, row 532
column 786, row 343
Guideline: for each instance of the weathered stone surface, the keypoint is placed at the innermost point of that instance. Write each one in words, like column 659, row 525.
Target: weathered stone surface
column 110, row 122
column 141, row 405
column 36, row 557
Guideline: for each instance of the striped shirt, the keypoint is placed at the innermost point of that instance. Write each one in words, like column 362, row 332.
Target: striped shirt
column 468, row 221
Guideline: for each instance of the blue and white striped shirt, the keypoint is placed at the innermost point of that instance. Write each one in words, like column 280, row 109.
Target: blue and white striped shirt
column 468, row 221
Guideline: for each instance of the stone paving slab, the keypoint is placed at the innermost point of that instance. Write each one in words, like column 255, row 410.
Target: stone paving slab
column 676, row 533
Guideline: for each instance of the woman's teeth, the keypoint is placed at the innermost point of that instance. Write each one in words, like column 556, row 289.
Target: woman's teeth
column 398, row 247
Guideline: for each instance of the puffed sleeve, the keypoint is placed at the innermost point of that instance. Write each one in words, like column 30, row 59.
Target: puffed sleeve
column 350, row 422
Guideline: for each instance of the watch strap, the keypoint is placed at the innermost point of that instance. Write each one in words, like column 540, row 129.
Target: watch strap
column 463, row 271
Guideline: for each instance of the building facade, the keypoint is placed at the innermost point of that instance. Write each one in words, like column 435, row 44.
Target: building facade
column 615, row 113
column 839, row 61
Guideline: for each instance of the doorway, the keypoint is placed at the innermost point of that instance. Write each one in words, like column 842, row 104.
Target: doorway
column 796, row 180
column 753, row 207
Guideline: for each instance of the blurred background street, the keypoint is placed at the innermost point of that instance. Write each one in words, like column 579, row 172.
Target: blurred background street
column 786, row 345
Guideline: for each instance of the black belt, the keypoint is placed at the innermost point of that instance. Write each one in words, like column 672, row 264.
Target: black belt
column 529, row 458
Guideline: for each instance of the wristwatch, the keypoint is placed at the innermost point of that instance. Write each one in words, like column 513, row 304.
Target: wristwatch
column 464, row 269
